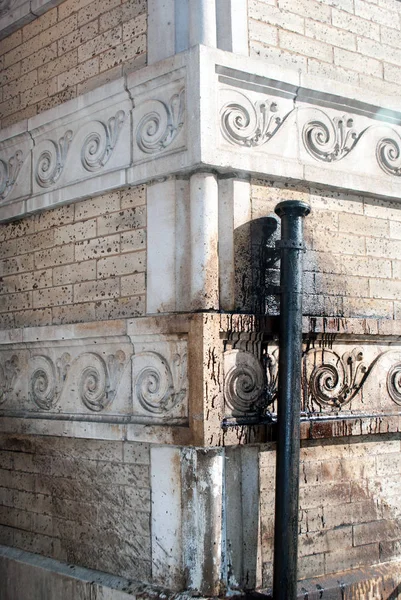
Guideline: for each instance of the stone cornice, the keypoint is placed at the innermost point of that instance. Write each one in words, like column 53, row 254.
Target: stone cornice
column 203, row 109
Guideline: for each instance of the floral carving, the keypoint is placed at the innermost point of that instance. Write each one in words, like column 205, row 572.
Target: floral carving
column 158, row 386
column 159, row 127
column 330, row 139
column 98, row 146
column 99, row 378
column 248, row 123
column 47, row 379
column 334, row 380
column 52, row 159
column 9, row 172
column 8, row 376
column 388, row 155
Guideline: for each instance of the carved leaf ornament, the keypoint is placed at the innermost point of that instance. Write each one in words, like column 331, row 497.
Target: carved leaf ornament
column 52, row 159
column 248, row 123
column 98, row 146
column 158, row 385
column 159, row 127
column 9, row 171
column 331, row 380
column 330, row 139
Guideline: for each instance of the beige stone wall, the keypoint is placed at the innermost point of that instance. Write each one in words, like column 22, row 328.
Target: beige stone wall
column 356, row 42
column 69, row 50
column 349, row 504
column 353, row 258
column 81, row 262
column 86, row 502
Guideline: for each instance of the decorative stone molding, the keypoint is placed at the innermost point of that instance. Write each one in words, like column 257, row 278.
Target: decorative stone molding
column 330, row 139
column 248, row 123
column 138, row 130
column 159, row 127
column 98, row 146
column 339, row 380
column 86, row 376
column 160, row 384
column 51, row 160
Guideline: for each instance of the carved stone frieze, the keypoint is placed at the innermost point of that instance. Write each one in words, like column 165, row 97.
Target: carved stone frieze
column 98, row 379
column 46, row 379
column 51, row 160
column 159, row 378
column 342, row 380
column 98, row 146
column 249, row 123
column 330, row 139
column 9, row 172
column 159, row 127
column 8, row 374
column 333, row 380
column 101, row 378
column 250, row 381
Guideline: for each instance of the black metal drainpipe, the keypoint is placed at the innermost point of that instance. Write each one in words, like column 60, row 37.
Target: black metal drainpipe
column 292, row 213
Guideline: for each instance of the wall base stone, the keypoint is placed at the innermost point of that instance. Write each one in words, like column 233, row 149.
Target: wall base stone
column 25, row 574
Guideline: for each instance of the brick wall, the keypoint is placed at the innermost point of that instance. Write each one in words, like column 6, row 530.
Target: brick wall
column 86, row 502
column 349, row 504
column 81, row 262
column 353, row 41
column 68, row 51
column 353, row 259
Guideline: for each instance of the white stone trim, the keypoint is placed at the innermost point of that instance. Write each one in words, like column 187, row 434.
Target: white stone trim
column 177, row 25
column 21, row 12
column 202, row 110
column 96, row 375
column 204, row 237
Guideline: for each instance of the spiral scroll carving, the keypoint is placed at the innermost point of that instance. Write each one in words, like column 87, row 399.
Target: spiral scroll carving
column 159, row 127
column 394, row 383
column 248, row 123
column 52, row 159
column 99, row 379
column 9, row 172
column 93, row 388
column 244, row 381
column 159, row 386
column 43, row 383
column 330, row 139
column 335, row 380
column 388, row 155
column 98, row 146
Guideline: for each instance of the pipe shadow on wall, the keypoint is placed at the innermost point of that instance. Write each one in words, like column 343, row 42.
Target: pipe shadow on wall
column 257, row 272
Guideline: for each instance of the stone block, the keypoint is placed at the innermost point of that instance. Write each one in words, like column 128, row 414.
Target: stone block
column 97, row 247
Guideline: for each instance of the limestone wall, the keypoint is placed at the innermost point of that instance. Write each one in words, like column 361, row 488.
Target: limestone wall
column 69, row 50
column 349, row 511
column 355, row 42
column 352, row 265
column 86, row 502
column 81, row 262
